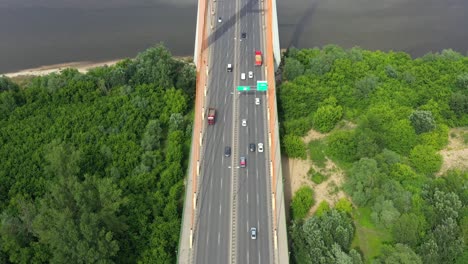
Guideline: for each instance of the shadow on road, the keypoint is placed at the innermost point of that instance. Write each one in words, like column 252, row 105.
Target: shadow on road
column 229, row 23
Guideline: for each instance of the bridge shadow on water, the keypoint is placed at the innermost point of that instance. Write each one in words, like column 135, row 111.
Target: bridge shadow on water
column 301, row 24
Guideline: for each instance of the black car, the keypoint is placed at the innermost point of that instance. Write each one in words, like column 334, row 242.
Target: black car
column 252, row 147
column 227, row 151
column 243, row 35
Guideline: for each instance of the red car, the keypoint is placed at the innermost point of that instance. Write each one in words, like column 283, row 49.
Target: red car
column 258, row 58
column 243, row 162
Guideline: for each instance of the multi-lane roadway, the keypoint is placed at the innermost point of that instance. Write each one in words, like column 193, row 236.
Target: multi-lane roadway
column 232, row 199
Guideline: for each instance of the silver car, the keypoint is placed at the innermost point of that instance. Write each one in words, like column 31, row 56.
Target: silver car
column 253, row 233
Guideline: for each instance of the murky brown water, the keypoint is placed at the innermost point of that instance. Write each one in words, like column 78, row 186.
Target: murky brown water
column 43, row 32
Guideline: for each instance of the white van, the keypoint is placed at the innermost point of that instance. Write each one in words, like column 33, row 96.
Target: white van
column 229, row 67
column 243, row 76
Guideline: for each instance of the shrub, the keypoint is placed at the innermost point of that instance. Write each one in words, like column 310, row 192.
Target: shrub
column 301, row 203
column 425, row 160
column 322, row 208
column 326, row 117
column 344, row 205
column 422, row 121
column 294, row 147
column 342, row 145
column 318, row 178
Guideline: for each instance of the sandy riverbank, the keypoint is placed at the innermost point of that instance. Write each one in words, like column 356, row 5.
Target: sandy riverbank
column 81, row 66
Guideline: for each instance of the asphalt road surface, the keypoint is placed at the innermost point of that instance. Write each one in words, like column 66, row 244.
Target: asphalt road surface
column 212, row 235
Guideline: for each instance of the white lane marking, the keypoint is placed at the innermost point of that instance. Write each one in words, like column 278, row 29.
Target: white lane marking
column 247, row 198
column 220, row 207
column 219, row 238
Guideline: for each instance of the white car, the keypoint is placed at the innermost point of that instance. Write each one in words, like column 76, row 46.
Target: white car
column 253, row 233
column 250, row 74
column 260, row 147
column 220, row 20
column 243, row 76
column 257, row 101
column 244, row 122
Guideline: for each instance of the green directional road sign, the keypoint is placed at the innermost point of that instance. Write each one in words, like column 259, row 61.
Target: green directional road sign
column 243, row 88
column 262, row 85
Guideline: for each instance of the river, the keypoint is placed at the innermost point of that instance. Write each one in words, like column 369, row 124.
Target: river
column 44, row 32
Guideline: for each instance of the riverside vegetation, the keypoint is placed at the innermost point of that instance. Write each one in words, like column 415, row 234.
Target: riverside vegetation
column 398, row 210
column 92, row 165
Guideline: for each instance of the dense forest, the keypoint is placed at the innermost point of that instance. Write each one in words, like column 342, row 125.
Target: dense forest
column 385, row 117
column 92, row 165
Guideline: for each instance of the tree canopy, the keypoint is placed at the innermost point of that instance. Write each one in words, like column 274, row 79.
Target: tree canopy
column 93, row 164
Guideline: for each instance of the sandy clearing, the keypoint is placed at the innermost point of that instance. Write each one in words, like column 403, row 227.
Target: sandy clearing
column 82, row 66
column 455, row 155
column 295, row 174
column 313, row 135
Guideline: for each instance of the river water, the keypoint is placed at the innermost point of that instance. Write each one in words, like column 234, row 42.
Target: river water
column 44, row 32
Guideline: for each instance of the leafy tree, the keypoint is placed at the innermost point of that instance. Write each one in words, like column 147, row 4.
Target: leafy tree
column 80, row 221
column 422, row 121
column 327, row 116
column 407, row 229
column 302, row 201
column 294, row 147
column 391, row 71
column 398, row 254
column 324, row 239
column 152, row 137
column 444, row 245
column 366, row 86
column 384, row 213
column 364, row 179
column 342, row 145
column 462, row 81
column 425, row 159
column 459, row 103
column 7, row 85
column 186, row 80
column 292, row 69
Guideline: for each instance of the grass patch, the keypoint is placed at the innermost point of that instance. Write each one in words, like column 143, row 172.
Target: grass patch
column 465, row 138
column 316, row 176
column 369, row 239
column 317, row 152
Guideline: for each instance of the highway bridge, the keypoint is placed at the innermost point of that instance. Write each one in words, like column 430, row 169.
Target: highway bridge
column 225, row 200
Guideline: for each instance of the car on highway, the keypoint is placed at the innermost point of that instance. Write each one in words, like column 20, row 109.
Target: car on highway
column 220, row 20
column 252, row 147
column 243, row 162
column 257, row 101
column 244, row 122
column 227, row 151
column 229, row 67
column 243, row 76
column 243, row 35
column 260, row 147
column 258, row 58
column 250, row 74
column 253, row 233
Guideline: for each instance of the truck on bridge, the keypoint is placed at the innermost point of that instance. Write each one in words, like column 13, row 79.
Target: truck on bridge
column 211, row 116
